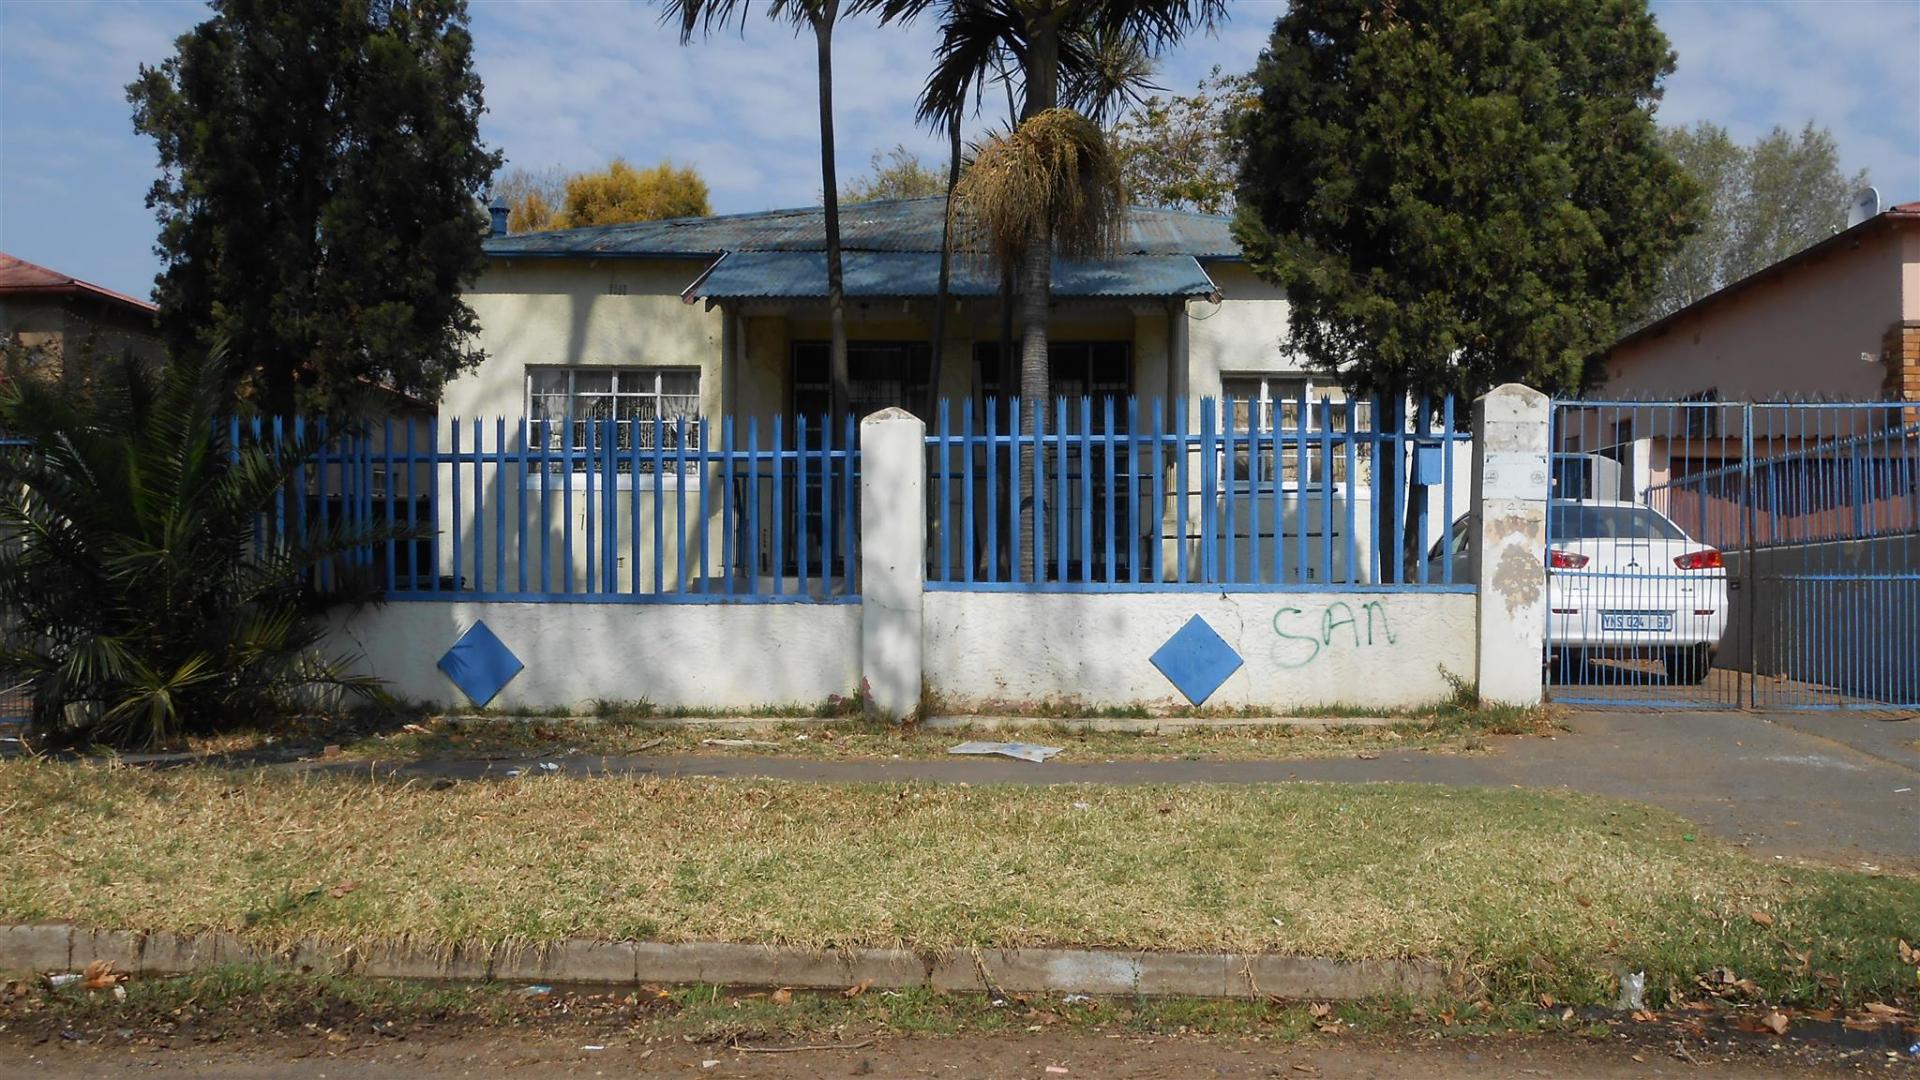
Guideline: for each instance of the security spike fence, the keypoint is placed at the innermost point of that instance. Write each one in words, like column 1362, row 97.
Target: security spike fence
column 1121, row 494
column 1118, row 494
column 620, row 511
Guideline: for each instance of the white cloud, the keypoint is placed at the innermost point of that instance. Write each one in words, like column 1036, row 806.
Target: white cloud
column 1849, row 65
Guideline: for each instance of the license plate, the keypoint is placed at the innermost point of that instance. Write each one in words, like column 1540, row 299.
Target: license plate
column 1636, row 620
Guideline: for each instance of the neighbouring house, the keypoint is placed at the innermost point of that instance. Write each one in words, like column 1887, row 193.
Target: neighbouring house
column 1837, row 321
column 60, row 324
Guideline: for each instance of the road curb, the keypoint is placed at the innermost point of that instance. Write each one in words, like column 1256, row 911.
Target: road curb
column 63, row 947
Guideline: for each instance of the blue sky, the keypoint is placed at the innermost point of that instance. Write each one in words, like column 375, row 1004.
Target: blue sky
column 575, row 83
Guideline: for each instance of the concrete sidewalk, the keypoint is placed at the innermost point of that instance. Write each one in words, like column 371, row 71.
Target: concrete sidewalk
column 1818, row 787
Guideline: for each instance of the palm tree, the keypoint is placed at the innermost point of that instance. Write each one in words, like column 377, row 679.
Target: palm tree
column 1116, row 72
column 1045, row 39
column 819, row 16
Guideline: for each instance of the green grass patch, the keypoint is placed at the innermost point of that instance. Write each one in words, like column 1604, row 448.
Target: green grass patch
column 1531, row 892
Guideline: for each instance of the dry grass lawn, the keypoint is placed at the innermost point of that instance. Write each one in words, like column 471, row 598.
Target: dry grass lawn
column 1535, row 891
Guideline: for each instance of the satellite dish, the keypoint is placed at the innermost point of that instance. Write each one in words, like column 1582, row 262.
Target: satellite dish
column 1865, row 205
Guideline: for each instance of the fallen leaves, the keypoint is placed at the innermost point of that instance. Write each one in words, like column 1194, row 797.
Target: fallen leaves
column 343, row 888
column 858, row 988
column 1909, row 954
column 782, row 996
column 1775, row 1021
column 1760, row 918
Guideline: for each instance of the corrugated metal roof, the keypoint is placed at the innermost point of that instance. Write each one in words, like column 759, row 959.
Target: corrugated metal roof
column 744, row 275
column 903, row 225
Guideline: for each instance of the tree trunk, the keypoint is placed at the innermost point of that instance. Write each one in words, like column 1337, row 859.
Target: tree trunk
column 823, row 20
column 1036, row 283
column 940, row 295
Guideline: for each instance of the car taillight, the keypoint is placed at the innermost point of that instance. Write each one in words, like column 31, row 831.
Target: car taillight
column 1700, row 560
column 1567, row 560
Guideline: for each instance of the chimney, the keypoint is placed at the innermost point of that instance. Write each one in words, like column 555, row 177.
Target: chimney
column 497, row 211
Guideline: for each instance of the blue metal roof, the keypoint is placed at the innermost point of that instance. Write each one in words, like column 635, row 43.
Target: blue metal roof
column 744, row 275
column 901, row 225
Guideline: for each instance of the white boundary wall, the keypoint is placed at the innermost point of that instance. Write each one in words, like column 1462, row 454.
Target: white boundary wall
column 719, row 656
column 1391, row 647
column 1300, row 649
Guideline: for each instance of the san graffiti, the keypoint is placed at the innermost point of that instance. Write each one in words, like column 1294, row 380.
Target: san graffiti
column 1307, row 637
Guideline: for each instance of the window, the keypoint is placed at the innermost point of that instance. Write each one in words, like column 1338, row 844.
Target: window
column 1703, row 420
column 1255, row 401
column 880, row 374
column 1093, row 369
column 570, row 400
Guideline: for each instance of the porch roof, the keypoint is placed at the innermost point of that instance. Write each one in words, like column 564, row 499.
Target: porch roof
column 745, row 275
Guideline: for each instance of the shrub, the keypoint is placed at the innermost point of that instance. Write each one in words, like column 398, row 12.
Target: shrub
column 142, row 595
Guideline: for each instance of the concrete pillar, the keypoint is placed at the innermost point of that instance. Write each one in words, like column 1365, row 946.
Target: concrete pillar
column 893, row 560
column 1506, row 553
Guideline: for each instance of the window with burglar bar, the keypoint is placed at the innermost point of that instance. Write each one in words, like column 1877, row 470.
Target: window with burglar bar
column 571, row 400
column 1258, row 401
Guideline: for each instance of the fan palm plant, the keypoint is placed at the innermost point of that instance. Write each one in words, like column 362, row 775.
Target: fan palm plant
column 1049, row 41
column 141, row 597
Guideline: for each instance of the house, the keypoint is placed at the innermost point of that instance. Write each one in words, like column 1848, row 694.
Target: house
column 1836, row 321
column 727, row 316
column 1839, row 320
column 56, row 320
column 702, row 320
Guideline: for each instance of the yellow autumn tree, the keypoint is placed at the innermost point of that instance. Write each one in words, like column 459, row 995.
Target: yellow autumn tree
column 621, row 193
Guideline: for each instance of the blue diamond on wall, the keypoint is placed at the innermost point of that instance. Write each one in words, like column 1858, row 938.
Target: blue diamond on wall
column 480, row 664
column 1196, row 660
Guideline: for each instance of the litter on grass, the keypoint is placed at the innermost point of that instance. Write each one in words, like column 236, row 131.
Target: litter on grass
column 1019, row 751
column 735, row 743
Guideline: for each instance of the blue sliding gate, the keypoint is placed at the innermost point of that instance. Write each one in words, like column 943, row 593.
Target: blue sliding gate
column 1707, row 554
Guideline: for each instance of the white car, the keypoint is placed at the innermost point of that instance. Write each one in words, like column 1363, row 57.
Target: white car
column 1624, row 582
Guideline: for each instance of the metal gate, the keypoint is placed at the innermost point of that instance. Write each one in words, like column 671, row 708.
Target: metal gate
column 1709, row 554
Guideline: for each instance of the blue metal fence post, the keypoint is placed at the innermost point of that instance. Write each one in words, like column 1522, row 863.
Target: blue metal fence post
column 966, row 489
column 851, row 508
column 753, row 506
column 1108, row 436
column 1013, row 489
column 800, row 492
column 727, row 540
column 946, row 495
column 1181, row 451
column 1209, row 491
column 1229, row 464
column 779, row 508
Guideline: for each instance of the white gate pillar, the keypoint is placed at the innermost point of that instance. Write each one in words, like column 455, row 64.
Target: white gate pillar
column 893, row 560
column 1506, row 553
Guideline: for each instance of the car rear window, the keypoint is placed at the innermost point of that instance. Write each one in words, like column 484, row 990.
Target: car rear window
column 1609, row 523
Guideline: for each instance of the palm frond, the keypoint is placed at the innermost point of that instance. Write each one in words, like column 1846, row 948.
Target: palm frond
column 1054, row 176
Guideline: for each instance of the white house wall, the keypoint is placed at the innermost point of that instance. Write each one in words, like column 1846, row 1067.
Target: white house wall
column 562, row 312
